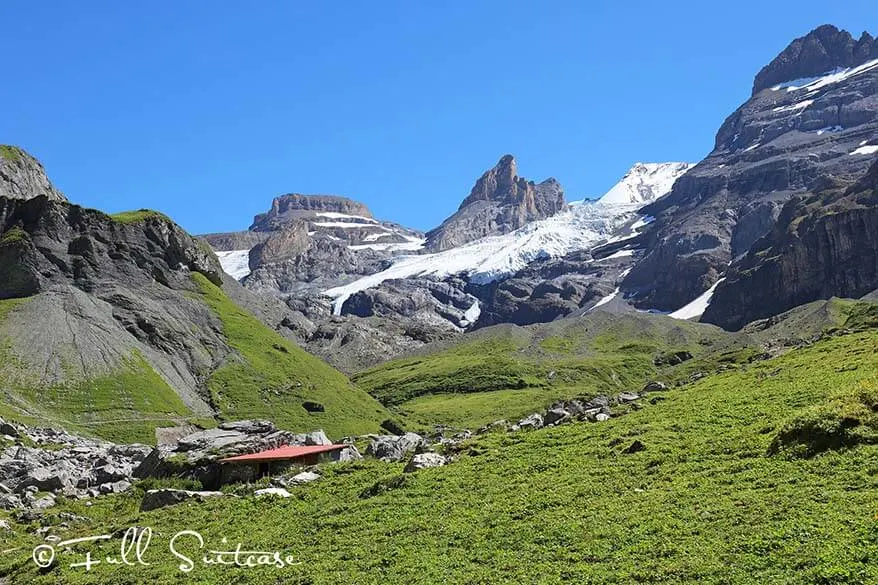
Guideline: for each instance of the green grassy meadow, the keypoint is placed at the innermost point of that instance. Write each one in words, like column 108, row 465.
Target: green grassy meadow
column 731, row 488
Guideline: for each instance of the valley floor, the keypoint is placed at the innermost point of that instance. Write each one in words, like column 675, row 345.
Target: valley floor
column 765, row 473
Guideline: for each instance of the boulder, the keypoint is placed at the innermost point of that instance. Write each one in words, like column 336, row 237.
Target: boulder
column 110, row 474
column 425, row 461
column 10, row 502
column 304, row 477
column 45, row 480
column 249, row 427
column 317, row 437
column 155, row 499
column 627, row 397
column 8, row 429
column 279, row 492
column 555, row 416
column 210, row 440
column 634, row 447
column 115, row 487
column 46, row 501
column 654, row 387
column 392, row 448
column 602, row 416
column 534, row 421
column 349, row 453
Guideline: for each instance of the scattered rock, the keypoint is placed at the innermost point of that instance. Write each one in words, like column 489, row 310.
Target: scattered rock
column 155, row 499
column 5, row 527
column 304, row 477
column 313, row 406
column 279, row 492
column 555, row 416
column 655, row 387
column 425, row 461
column 394, row 448
column 625, row 397
column 534, row 421
column 602, row 416
column 634, row 447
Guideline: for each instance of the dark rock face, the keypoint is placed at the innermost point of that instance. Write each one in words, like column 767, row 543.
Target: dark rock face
column 778, row 145
column 44, row 241
column 549, row 289
column 288, row 207
column 23, row 177
column 823, row 49
column 103, row 290
column 822, row 246
column 500, row 202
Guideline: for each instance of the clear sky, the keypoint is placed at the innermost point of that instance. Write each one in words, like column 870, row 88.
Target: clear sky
column 207, row 110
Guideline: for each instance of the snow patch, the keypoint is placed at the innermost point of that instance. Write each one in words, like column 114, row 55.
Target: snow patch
column 697, row 307
column 793, row 107
column 334, row 215
column 235, row 263
column 472, row 314
column 829, row 78
column 346, row 224
column 619, row 254
column 866, row 149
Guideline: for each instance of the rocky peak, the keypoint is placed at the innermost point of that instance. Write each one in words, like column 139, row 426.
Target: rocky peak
column 292, row 206
column 820, row 51
column 500, row 202
column 23, row 177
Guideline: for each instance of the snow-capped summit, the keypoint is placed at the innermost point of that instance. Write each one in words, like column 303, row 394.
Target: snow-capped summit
column 582, row 226
column 644, row 183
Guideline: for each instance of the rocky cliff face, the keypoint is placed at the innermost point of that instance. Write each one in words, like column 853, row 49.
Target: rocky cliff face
column 774, row 147
column 823, row 245
column 22, row 176
column 824, row 49
column 500, row 202
column 288, row 207
column 307, row 243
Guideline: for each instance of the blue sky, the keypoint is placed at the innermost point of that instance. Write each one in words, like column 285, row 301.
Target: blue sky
column 207, row 110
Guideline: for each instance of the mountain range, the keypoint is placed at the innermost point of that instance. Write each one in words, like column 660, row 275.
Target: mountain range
column 780, row 213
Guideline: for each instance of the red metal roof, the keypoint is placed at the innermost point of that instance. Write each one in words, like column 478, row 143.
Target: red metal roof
column 288, row 452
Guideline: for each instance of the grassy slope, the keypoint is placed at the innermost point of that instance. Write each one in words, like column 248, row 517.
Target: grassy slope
column 124, row 406
column 704, row 503
column 274, row 376
column 507, row 371
column 271, row 379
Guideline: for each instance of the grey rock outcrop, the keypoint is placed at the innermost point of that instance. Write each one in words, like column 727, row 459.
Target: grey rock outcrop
column 394, row 448
column 23, row 177
column 500, row 202
column 155, row 499
column 74, row 466
column 824, row 245
column 425, row 461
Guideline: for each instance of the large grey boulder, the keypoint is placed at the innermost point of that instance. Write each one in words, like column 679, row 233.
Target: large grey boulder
column 155, row 499
column 393, row 448
column 556, row 416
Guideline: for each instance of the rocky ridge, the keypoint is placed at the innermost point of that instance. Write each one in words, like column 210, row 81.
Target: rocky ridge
column 499, row 203
column 23, row 177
